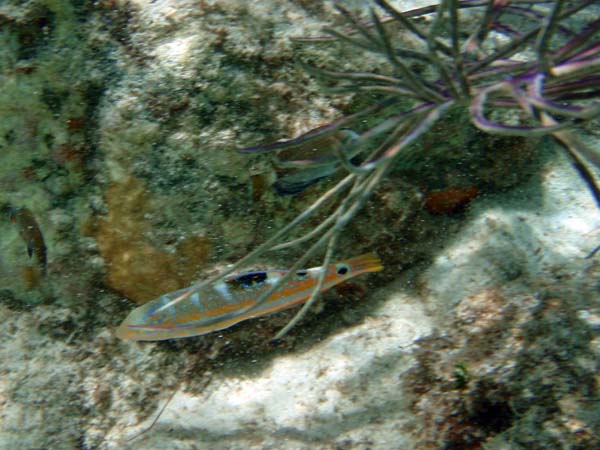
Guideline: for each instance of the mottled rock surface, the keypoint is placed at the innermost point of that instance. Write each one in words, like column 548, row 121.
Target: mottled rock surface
column 495, row 343
column 119, row 122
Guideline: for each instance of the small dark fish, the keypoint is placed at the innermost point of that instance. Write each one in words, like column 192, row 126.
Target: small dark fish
column 306, row 164
column 30, row 232
column 317, row 152
column 291, row 182
column 306, row 160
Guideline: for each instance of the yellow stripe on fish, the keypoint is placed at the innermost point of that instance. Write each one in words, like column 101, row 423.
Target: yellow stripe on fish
column 220, row 306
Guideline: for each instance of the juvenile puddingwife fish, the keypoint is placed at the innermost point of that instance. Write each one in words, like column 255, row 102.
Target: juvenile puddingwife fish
column 303, row 161
column 221, row 306
column 30, row 232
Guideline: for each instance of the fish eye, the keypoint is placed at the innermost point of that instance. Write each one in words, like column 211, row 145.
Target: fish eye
column 342, row 269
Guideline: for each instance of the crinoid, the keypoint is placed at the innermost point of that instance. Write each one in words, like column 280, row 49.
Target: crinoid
column 517, row 67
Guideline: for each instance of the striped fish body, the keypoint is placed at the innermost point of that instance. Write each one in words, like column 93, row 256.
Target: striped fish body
column 220, row 306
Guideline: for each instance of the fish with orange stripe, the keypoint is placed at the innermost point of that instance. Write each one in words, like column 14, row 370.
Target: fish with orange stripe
column 229, row 302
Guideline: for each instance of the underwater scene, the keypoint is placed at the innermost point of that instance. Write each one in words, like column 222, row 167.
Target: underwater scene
column 295, row 224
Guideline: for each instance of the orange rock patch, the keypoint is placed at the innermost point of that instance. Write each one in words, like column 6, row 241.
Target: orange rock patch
column 449, row 201
column 136, row 267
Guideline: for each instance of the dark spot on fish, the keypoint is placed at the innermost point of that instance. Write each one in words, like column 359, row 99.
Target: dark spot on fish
column 301, row 273
column 248, row 279
column 342, row 271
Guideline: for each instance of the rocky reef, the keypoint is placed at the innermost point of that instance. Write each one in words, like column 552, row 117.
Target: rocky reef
column 119, row 124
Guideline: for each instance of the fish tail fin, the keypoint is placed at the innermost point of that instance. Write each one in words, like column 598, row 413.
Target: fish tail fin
column 369, row 262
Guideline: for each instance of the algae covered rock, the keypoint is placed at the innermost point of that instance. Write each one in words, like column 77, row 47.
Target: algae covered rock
column 119, row 124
